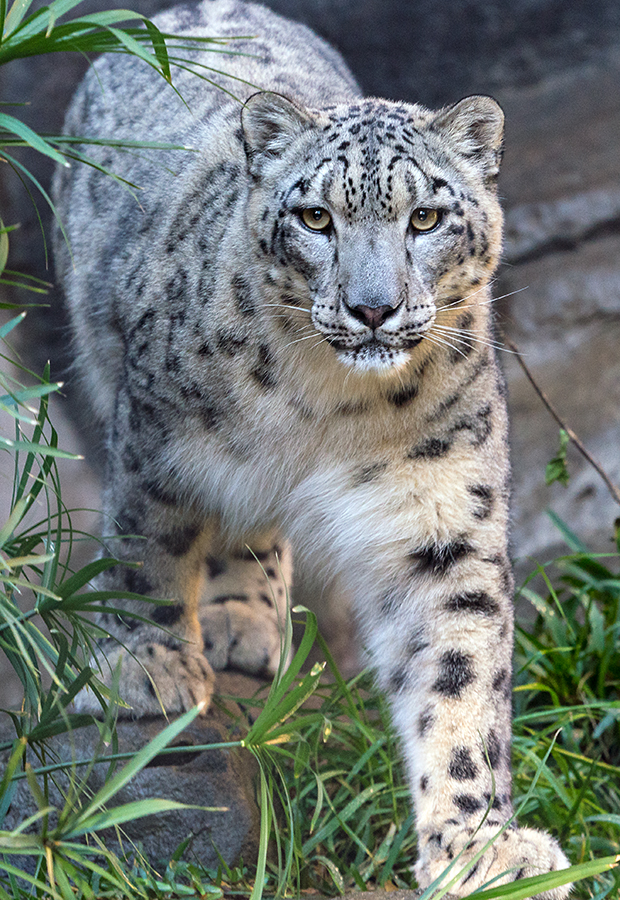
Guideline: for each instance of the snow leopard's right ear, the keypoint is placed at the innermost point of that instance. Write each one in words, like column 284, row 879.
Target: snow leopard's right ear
column 269, row 121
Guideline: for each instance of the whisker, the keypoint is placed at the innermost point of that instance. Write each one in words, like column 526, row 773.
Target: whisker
column 347, row 376
column 437, row 343
column 294, row 324
column 289, row 319
column 510, row 293
column 473, row 294
column 441, row 342
column 301, row 329
column 481, row 302
column 464, row 332
column 298, row 340
column 286, row 306
column 469, row 340
column 322, row 341
column 450, row 305
column 467, row 336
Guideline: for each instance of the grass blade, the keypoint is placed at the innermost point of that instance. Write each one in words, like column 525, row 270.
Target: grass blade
column 15, row 15
column 569, row 536
column 528, row 887
column 14, row 126
column 265, row 827
column 127, row 812
column 10, row 325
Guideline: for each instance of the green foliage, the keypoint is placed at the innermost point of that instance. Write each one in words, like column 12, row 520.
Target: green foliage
column 43, row 630
column 568, row 694
column 25, row 33
column 8, row 276
column 573, row 648
column 557, row 469
column 333, row 767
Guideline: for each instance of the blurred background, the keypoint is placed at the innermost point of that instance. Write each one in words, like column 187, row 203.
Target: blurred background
column 554, row 65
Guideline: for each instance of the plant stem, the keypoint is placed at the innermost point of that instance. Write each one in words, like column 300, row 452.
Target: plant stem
column 613, row 490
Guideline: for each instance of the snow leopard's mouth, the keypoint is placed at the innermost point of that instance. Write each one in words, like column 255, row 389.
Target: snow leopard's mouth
column 374, row 355
column 372, row 345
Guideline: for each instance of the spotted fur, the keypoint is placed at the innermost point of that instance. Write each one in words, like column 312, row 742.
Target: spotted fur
column 259, row 378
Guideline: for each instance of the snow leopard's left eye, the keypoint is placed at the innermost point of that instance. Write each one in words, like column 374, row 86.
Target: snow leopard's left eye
column 425, row 219
column 316, row 218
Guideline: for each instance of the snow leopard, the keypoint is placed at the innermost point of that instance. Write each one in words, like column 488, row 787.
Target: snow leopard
column 282, row 320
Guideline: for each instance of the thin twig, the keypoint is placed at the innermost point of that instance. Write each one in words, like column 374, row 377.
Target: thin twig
column 613, row 490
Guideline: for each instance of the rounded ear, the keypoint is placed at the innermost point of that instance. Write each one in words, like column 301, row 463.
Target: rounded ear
column 269, row 121
column 475, row 127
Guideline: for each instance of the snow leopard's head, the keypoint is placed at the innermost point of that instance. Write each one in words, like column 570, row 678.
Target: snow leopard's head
column 376, row 218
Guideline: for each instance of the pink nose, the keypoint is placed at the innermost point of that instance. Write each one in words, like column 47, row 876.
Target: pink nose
column 372, row 316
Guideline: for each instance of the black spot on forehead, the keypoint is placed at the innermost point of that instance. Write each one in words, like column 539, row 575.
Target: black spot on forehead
column 372, row 114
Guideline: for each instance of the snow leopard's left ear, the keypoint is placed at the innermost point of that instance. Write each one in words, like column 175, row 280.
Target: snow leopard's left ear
column 475, row 127
column 269, row 122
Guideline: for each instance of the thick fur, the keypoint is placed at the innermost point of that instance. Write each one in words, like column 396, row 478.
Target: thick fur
column 261, row 379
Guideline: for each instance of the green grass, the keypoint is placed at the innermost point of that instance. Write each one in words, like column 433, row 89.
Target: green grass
column 568, row 685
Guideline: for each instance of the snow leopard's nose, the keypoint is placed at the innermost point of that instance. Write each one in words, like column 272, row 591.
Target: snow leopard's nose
column 372, row 316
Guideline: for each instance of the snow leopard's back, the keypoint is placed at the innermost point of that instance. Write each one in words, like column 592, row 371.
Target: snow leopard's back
column 129, row 102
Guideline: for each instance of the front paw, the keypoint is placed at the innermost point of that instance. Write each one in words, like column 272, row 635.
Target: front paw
column 516, row 853
column 154, row 679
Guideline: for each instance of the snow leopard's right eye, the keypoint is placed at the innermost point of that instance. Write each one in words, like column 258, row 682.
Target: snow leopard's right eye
column 425, row 219
column 316, row 218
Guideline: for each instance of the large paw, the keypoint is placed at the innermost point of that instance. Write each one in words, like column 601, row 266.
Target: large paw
column 154, row 679
column 238, row 635
column 244, row 607
column 517, row 853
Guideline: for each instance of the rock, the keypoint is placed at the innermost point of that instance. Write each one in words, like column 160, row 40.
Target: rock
column 560, row 182
column 211, row 778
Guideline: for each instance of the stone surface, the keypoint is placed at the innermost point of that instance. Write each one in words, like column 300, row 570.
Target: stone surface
column 562, row 192
column 209, row 778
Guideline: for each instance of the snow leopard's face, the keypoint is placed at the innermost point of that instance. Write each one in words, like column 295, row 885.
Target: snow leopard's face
column 376, row 218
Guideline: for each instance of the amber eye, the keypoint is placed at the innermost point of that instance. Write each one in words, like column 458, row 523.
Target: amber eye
column 316, row 218
column 424, row 219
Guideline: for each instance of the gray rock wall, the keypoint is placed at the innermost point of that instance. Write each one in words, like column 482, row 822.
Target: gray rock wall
column 561, row 185
column 555, row 67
